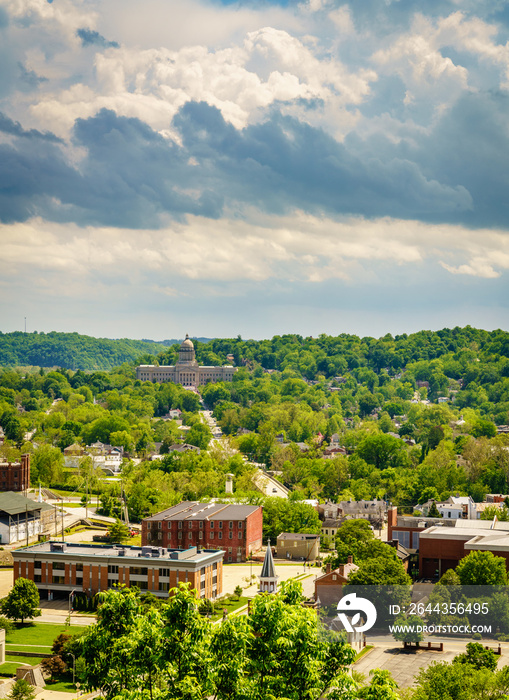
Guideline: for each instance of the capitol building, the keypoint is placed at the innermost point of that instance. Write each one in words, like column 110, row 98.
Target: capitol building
column 187, row 371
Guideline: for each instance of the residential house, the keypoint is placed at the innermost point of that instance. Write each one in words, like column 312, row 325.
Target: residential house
column 454, row 507
column 330, row 526
column 329, row 586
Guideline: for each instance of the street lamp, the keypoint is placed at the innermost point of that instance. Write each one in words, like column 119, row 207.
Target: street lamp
column 71, row 595
column 73, row 666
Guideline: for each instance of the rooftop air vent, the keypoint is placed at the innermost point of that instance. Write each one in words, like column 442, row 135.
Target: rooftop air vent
column 57, row 547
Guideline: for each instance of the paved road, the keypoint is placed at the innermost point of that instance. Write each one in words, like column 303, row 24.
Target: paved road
column 269, row 486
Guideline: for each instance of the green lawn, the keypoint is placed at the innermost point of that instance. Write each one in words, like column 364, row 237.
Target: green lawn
column 22, row 660
column 231, row 606
column 60, row 686
column 41, row 634
column 363, row 652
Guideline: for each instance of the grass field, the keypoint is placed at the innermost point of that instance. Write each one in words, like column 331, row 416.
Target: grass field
column 230, row 606
column 60, row 686
column 363, row 652
column 37, row 634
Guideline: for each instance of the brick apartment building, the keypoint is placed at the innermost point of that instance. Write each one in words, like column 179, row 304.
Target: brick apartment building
column 235, row 529
column 15, row 476
column 59, row 568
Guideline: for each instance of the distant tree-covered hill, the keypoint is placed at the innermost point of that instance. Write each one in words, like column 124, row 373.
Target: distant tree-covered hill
column 70, row 350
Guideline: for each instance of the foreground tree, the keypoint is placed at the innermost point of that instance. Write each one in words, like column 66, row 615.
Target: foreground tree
column 278, row 650
column 482, row 569
column 22, row 602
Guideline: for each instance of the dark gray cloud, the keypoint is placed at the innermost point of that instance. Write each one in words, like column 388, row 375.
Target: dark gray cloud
column 89, row 37
column 131, row 176
column 30, row 77
column 9, row 126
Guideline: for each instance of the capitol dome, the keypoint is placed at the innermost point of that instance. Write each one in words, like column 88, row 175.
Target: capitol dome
column 186, row 352
column 187, row 344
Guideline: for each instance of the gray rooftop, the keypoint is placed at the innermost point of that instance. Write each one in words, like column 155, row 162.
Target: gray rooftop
column 297, row 536
column 191, row 555
column 192, row 510
column 13, row 503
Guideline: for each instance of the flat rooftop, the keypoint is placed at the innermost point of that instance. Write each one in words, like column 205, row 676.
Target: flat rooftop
column 71, row 549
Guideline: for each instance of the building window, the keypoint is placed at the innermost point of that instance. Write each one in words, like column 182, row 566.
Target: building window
column 220, row 524
column 58, row 566
column 231, row 524
column 220, row 535
column 229, row 558
column 159, row 535
column 334, row 577
column 189, row 535
column 201, row 524
column 240, row 524
column 112, row 569
column 180, row 524
column 138, row 570
column 201, row 535
column 164, row 586
column 211, row 536
column 180, row 535
column 37, row 578
column 159, row 525
column 211, row 524
column 164, row 572
column 230, row 535
column 189, row 525
column 229, row 550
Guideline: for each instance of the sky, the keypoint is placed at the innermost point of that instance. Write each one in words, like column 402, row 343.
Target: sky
column 254, row 168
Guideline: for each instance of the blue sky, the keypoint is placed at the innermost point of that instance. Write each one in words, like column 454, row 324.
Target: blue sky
column 258, row 168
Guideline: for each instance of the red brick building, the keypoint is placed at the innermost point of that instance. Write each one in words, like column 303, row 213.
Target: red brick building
column 59, row 568
column 407, row 528
column 235, row 529
column 441, row 548
column 15, row 476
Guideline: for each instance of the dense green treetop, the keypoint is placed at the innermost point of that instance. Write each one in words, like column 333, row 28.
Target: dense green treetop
column 70, row 350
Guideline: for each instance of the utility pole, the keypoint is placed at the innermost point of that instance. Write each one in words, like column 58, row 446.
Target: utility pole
column 26, row 520
column 63, row 536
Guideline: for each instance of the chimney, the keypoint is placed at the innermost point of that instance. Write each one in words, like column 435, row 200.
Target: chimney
column 341, row 569
column 328, row 568
column 350, row 559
